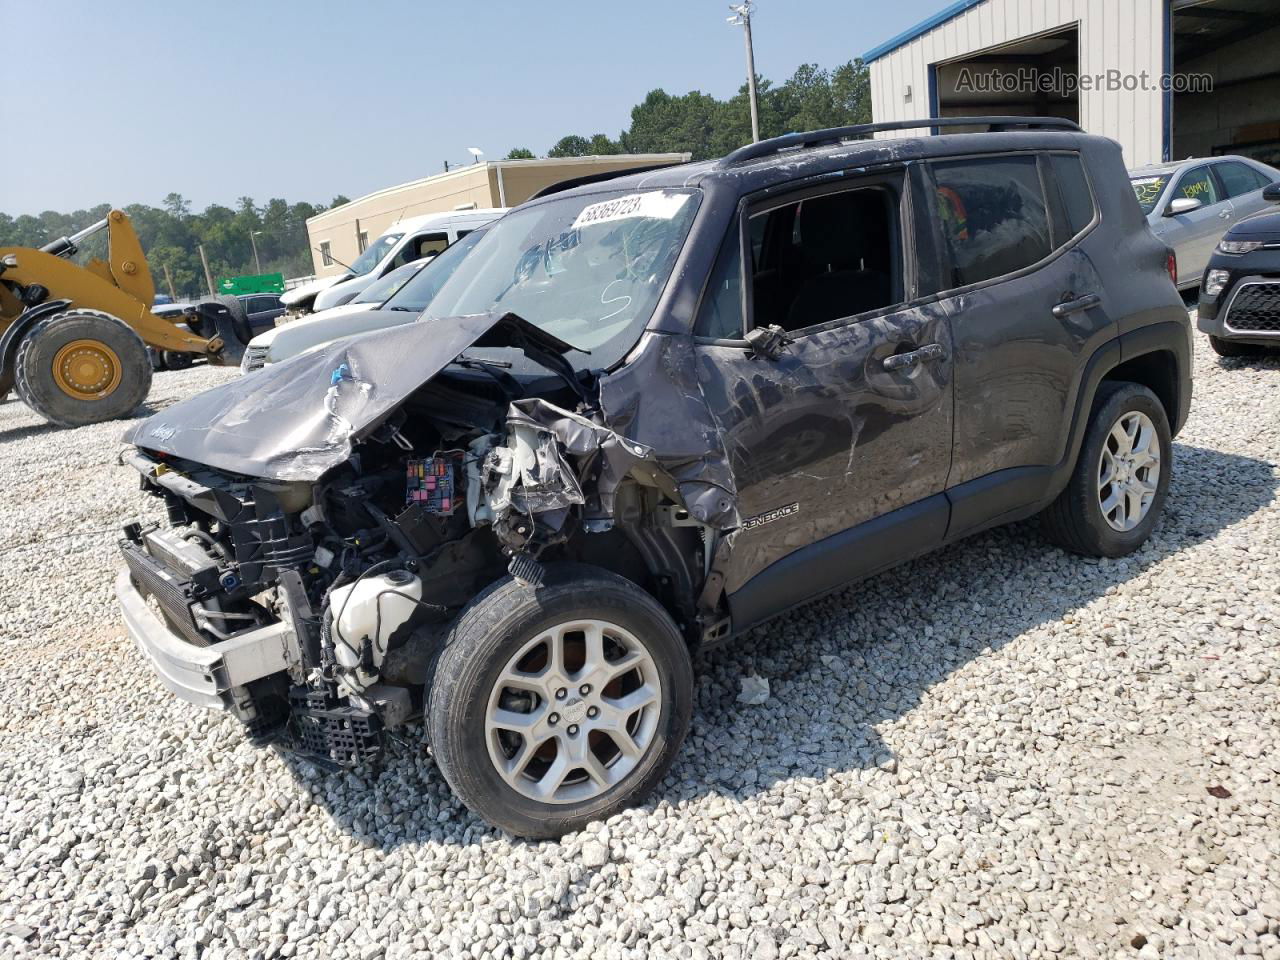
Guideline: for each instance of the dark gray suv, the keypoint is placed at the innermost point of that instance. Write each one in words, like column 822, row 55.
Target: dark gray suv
column 645, row 414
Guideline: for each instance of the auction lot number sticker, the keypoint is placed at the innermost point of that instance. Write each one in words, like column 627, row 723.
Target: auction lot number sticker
column 653, row 205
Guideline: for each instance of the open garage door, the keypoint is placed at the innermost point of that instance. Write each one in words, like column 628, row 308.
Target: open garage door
column 1236, row 44
column 1034, row 76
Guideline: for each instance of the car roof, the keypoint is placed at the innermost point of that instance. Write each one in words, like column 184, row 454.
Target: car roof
column 444, row 218
column 726, row 176
column 1173, row 166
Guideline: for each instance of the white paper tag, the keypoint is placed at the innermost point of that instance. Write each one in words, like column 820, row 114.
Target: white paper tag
column 652, row 204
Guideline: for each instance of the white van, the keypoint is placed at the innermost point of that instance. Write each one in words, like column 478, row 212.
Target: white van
column 405, row 241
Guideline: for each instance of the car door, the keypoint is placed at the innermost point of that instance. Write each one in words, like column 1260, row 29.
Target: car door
column 1027, row 310
column 1194, row 234
column 838, row 421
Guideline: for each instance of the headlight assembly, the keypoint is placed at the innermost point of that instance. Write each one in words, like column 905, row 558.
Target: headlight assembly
column 1237, row 247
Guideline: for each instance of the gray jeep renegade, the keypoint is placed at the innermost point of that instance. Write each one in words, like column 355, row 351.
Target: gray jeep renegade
column 645, row 414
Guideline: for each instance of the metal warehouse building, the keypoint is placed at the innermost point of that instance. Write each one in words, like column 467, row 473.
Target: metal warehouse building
column 1100, row 63
column 340, row 235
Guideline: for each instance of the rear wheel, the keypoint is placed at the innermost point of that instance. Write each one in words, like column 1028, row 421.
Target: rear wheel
column 174, row 360
column 231, row 324
column 553, row 707
column 1234, row 348
column 1121, row 477
column 82, row 366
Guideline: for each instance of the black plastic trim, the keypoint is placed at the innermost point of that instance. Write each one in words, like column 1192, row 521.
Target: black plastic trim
column 840, row 559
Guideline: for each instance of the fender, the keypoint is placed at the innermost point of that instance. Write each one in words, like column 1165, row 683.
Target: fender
column 17, row 330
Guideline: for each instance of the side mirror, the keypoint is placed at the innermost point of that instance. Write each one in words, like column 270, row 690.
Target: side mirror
column 1182, row 205
column 1271, row 193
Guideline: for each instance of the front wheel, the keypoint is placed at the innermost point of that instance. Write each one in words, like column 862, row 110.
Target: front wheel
column 1121, row 477
column 80, row 367
column 556, row 706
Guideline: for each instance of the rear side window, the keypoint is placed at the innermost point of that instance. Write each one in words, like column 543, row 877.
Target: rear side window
column 1197, row 184
column 1073, row 188
column 992, row 215
column 1238, row 179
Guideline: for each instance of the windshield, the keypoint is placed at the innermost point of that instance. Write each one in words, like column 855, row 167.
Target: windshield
column 423, row 286
column 374, row 253
column 383, row 288
column 1148, row 190
column 587, row 269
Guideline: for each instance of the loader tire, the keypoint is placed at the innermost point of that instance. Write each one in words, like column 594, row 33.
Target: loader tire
column 232, row 325
column 80, row 367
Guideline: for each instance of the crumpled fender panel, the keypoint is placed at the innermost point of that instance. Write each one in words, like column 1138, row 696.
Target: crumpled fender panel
column 655, row 400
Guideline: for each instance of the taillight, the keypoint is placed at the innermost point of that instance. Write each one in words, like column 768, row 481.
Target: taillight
column 1171, row 264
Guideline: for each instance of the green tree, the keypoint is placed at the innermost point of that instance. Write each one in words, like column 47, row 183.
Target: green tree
column 519, row 153
column 570, row 146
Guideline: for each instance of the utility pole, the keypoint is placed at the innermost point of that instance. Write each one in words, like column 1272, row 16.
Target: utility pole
column 742, row 17
column 168, row 278
column 208, row 274
column 256, row 262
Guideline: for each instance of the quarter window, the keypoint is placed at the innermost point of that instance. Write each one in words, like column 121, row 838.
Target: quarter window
column 1238, row 179
column 720, row 316
column 993, row 217
column 1073, row 187
column 1197, row 184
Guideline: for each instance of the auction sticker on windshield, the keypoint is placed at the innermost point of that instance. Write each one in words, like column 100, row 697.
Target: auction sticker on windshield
column 652, row 205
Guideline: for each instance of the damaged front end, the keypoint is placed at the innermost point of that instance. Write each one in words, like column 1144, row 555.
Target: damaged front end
column 328, row 518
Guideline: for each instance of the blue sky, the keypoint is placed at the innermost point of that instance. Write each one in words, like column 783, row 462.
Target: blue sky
column 129, row 100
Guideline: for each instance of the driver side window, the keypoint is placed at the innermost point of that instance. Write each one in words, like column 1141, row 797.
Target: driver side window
column 1197, row 184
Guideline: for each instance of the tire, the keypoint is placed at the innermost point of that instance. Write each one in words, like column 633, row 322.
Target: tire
column 1234, row 348
column 232, row 325
column 111, row 382
column 481, row 645
column 1076, row 520
column 239, row 318
column 174, row 360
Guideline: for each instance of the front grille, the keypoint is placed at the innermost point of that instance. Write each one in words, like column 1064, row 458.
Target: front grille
column 255, row 358
column 1255, row 308
column 165, row 588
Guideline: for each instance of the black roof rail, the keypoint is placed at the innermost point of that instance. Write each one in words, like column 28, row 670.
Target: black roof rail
column 561, row 185
column 819, row 138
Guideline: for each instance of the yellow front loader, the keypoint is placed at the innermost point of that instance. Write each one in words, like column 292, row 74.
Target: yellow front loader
column 73, row 338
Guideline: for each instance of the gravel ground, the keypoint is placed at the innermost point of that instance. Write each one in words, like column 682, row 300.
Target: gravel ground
column 1000, row 750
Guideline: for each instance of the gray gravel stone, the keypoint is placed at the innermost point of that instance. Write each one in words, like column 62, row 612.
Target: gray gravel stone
column 999, row 750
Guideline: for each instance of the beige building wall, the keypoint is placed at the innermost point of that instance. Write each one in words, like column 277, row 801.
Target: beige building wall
column 502, row 183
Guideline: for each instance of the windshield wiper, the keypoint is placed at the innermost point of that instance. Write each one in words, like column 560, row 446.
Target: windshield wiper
column 404, row 309
column 496, row 369
column 463, row 360
column 543, row 348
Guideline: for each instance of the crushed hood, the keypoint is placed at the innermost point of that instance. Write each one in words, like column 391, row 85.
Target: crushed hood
column 297, row 419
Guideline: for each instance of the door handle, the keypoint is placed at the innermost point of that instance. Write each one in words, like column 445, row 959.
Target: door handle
column 1068, row 307
column 1224, row 215
column 901, row 361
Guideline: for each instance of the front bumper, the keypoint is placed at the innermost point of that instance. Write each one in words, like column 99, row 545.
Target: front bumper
column 211, row 676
